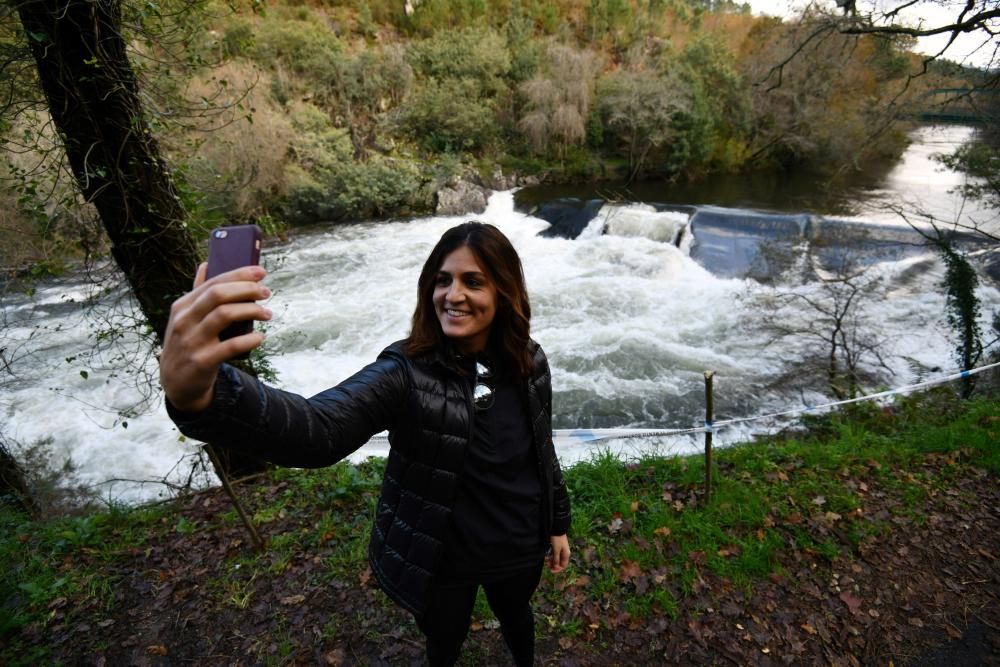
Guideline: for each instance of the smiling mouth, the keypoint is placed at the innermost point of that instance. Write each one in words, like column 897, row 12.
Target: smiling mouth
column 456, row 313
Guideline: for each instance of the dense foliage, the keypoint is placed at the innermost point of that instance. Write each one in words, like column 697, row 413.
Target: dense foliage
column 364, row 108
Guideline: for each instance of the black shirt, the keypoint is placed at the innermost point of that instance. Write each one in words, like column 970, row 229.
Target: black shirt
column 496, row 520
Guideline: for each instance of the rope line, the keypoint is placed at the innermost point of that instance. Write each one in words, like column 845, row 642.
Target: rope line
column 584, row 435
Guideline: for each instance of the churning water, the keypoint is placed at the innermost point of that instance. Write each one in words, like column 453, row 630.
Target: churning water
column 629, row 316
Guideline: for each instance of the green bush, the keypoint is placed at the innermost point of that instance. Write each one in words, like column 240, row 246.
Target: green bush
column 237, row 37
column 370, row 82
column 715, row 132
column 433, row 16
column 641, row 116
column 446, row 116
column 352, row 190
column 302, row 46
column 473, row 54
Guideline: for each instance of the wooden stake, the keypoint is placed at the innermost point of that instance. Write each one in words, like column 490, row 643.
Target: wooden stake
column 224, row 478
column 709, row 417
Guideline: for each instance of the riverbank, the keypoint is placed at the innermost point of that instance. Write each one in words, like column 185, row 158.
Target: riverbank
column 875, row 537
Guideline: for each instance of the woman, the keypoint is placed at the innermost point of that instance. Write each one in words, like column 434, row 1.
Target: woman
column 472, row 492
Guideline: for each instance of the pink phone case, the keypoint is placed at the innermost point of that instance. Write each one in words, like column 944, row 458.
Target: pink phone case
column 230, row 248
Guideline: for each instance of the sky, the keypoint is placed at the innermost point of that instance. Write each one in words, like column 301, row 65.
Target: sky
column 938, row 12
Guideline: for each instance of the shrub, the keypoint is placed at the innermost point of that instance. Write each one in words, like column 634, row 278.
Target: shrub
column 237, row 37
column 434, row 16
column 370, row 82
column 303, row 46
column 236, row 161
column 717, row 129
column 326, row 183
column 639, row 111
column 473, row 54
column 448, row 116
column 352, row 190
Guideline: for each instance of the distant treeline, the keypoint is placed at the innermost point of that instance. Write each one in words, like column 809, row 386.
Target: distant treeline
column 337, row 110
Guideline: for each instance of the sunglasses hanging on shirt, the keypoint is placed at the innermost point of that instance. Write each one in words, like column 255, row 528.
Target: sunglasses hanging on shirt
column 482, row 393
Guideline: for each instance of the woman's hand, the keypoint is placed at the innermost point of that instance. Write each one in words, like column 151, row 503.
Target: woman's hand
column 192, row 351
column 559, row 557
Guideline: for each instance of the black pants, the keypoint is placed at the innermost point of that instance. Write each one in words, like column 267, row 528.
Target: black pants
column 449, row 612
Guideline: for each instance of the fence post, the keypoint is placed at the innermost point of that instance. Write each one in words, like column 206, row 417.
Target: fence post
column 224, row 478
column 709, row 417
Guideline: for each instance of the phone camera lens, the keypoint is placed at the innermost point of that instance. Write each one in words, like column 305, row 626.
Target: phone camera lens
column 221, row 234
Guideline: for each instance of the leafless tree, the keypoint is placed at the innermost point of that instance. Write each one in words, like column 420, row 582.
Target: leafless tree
column 829, row 317
column 557, row 100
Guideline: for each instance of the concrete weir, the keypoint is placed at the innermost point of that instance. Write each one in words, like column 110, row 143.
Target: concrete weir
column 744, row 243
column 737, row 243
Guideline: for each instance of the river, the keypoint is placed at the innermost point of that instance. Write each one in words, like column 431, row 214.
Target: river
column 632, row 308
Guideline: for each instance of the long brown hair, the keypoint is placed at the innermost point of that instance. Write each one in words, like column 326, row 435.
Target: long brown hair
column 511, row 327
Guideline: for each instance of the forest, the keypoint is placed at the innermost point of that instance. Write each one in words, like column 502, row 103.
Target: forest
column 287, row 113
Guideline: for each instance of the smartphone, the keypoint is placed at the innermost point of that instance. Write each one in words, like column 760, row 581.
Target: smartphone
column 230, row 248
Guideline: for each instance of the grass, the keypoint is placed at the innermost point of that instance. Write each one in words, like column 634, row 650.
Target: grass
column 643, row 535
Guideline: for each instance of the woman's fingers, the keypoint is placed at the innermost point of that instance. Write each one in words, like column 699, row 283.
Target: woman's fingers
column 559, row 558
column 222, row 316
column 212, row 295
column 232, row 347
column 200, row 274
column 249, row 275
column 192, row 351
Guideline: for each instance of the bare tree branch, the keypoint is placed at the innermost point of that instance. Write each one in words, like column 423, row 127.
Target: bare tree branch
column 972, row 24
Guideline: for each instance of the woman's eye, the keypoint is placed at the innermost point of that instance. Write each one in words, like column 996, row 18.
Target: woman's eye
column 442, row 281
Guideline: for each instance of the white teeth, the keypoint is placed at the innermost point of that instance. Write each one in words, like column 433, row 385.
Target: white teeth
column 456, row 313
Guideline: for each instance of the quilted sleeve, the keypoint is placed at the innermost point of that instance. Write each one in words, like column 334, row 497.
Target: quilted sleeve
column 290, row 430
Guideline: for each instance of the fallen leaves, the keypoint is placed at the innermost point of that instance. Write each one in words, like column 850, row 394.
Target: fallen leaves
column 697, row 557
column 639, row 591
column 336, row 657
column 729, row 550
column 853, row 603
column 952, row 631
column 629, row 571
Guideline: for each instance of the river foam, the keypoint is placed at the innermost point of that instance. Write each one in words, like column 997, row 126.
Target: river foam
column 629, row 320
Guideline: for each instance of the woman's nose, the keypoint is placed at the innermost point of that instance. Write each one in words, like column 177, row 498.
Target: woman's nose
column 455, row 292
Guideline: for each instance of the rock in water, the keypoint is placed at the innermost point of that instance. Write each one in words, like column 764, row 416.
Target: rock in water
column 461, row 198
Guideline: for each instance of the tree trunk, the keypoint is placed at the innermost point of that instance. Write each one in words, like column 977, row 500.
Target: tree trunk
column 12, row 484
column 93, row 98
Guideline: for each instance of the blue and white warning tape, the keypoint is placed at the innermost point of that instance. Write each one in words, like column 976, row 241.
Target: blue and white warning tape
column 578, row 436
column 598, row 435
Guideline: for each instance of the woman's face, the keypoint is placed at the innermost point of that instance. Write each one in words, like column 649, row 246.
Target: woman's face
column 465, row 300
